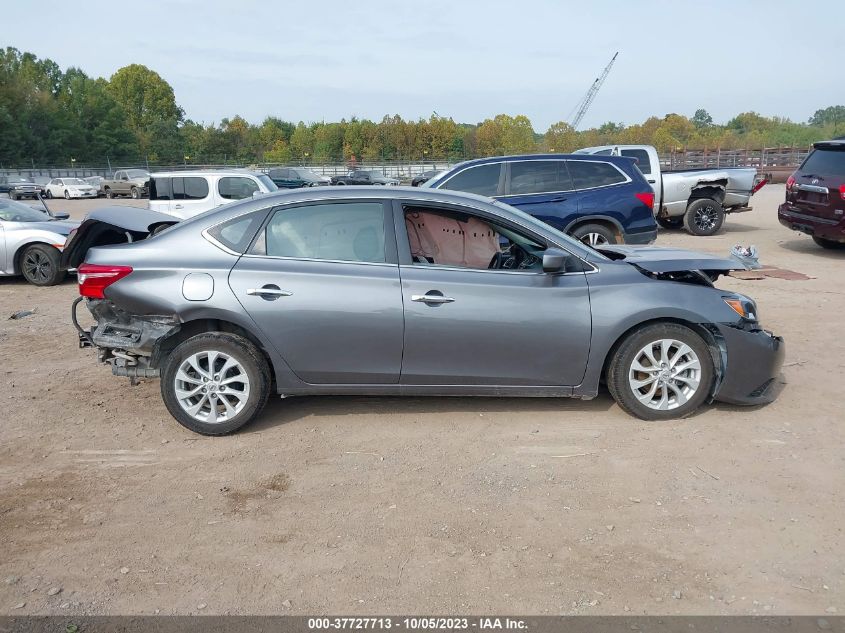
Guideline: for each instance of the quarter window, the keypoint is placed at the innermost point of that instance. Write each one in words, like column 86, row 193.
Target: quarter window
column 591, row 174
column 236, row 187
column 237, row 233
column 483, row 180
column 539, row 176
column 352, row 232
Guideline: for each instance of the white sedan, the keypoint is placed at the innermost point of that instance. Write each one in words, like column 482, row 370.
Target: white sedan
column 70, row 188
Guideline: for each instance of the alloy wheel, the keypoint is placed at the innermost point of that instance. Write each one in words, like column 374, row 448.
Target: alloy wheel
column 594, row 239
column 211, row 386
column 37, row 267
column 665, row 374
column 706, row 218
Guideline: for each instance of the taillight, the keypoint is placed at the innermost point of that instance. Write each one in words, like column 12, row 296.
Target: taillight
column 842, row 191
column 647, row 199
column 790, row 182
column 94, row 278
column 760, row 184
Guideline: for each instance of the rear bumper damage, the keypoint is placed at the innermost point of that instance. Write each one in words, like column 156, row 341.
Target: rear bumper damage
column 754, row 360
column 129, row 343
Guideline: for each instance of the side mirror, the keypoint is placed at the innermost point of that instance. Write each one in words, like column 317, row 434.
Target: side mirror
column 257, row 194
column 61, row 215
column 554, row 260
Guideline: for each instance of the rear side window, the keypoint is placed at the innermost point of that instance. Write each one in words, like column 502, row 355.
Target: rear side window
column 592, row 174
column 236, row 187
column 190, row 188
column 237, row 233
column 825, row 162
column 352, row 232
column 483, row 180
column 539, row 176
column 641, row 155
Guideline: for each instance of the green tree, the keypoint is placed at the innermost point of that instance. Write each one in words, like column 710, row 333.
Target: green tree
column 702, row 119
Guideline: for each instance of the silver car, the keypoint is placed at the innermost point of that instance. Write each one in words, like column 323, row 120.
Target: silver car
column 31, row 241
column 408, row 291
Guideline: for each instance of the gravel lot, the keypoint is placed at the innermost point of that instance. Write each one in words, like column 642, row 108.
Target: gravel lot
column 428, row 505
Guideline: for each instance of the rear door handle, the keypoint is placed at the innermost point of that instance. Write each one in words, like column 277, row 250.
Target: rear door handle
column 431, row 298
column 558, row 199
column 652, row 181
column 268, row 291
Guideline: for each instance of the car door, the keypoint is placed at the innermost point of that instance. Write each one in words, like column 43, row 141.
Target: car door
column 191, row 195
column 321, row 281
column 542, row 188
column 467, row 324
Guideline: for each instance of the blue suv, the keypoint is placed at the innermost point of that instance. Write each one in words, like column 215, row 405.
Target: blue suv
column 597, row 199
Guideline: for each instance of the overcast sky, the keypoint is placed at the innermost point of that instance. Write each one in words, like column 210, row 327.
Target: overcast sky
column 468, row 60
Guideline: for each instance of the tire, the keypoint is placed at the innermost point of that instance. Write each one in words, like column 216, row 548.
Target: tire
column 109, row 193
column 594, row 235
column 41, row 265
column 828, row 243
column 180, row 369
column 680, row 396
column 49, row 195
column 670, row 223
column 135, row 193
column 13, row 197
column 340, row 182
column 67, row 195
column 704, row 216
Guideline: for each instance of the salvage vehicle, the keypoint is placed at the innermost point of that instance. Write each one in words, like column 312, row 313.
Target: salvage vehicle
column 31, row 241
column 409, row 291
column 184, row 194
column 97, row 183
column 19, row 187
column 598, row 200
column 815, row 196
column 70, row 188
column 295, row 177
column 419, row 179
column 126, row 182
column 361, row 177
column 694, row 199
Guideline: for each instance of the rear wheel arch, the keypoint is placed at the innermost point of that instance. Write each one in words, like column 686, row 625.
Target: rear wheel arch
column 715, row 192
column 602, row 220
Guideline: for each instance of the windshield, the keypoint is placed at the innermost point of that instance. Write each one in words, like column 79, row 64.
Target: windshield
column 137, row 173
column 19, row 179
column 265, row 180
column 307, row 173
column 12, row 211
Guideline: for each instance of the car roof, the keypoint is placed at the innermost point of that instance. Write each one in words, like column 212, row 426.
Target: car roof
column 622, row 160
column 205, row 172
column 837, row 143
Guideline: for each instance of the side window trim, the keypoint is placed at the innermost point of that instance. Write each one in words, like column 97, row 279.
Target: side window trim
column 390, row 251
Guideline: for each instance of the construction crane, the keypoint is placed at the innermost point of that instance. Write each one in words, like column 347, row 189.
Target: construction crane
column 584, row 104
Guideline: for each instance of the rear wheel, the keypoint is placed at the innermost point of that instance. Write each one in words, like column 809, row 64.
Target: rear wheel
column 660, row 372
column 215, row 383
column 704, row 217
column 828, row 243
column 670, row 223
column 594, row 235
column 41, row 265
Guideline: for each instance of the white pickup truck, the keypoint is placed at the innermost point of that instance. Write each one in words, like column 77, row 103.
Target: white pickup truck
column 695, row 199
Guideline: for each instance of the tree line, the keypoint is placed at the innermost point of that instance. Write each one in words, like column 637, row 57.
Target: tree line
column 50, row 116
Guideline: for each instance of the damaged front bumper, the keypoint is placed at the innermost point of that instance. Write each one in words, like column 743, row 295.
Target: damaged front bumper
column 754, row 358
column 129, row 343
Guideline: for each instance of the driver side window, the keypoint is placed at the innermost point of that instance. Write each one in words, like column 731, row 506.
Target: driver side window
column 439, row 237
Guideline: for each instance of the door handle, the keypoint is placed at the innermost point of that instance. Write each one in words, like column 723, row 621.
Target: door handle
column 269, row 291
column 177, row 206
column 558, row 199
column 651, row 181
column 429, row 298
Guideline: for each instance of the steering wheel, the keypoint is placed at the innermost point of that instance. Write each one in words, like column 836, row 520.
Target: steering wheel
column 497, row 261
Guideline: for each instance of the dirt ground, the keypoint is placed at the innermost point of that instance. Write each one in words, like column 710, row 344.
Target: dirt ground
column 428, row 505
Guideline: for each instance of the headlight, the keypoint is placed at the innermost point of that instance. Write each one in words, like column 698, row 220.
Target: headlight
column 743, row 306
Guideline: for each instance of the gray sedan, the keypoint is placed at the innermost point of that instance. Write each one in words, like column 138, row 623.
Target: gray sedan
column 31, row 241
column 401, row 291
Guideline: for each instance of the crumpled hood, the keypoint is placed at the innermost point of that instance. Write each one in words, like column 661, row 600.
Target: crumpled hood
column 56, row 226
column 661, row 259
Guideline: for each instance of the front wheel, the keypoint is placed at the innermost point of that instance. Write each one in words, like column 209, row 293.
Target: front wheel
column 135, row 193
column 41, row 265
column 67, row 194
column 109, row 193
column 49, row 195
column 594, row 235
column 828, row 243
column 215, row 383
column 704, row 217
column 661, row 372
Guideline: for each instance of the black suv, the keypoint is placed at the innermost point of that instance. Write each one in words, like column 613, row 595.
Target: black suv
column 596, row 199
column 815, row 195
